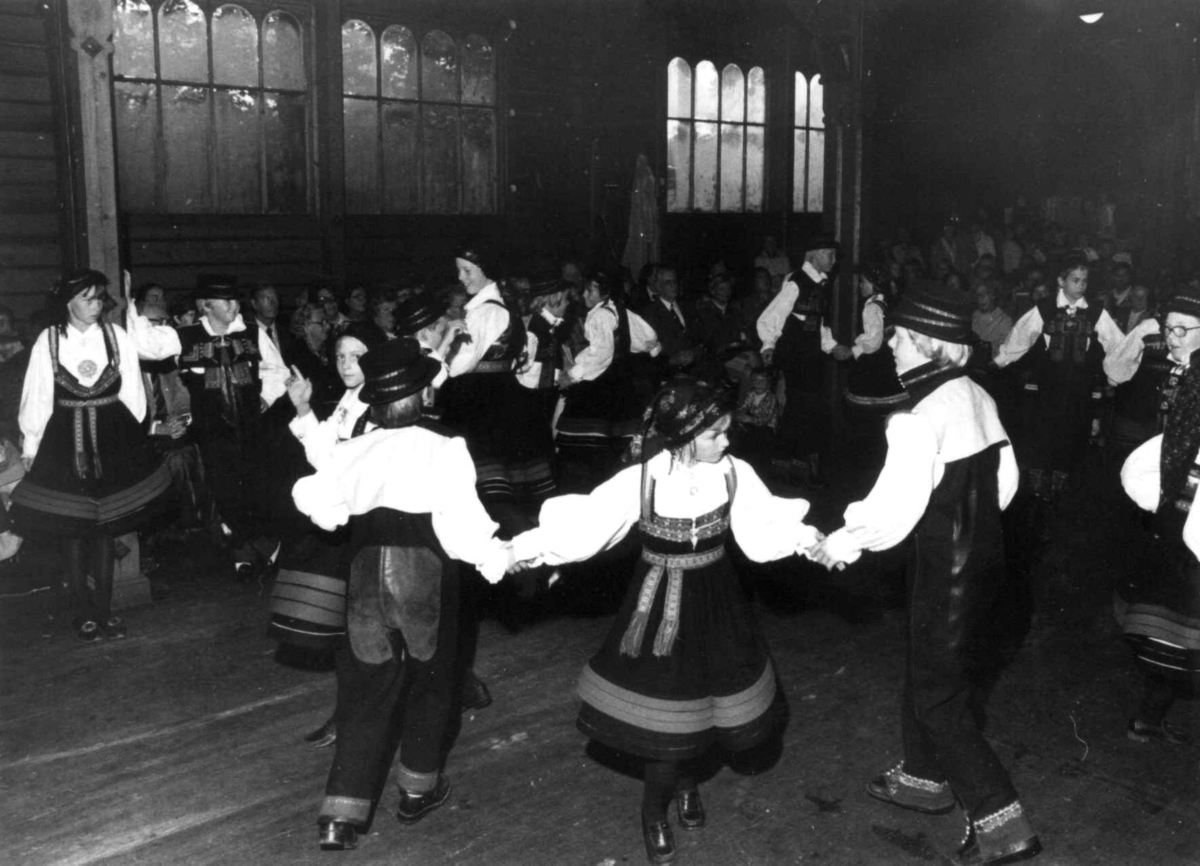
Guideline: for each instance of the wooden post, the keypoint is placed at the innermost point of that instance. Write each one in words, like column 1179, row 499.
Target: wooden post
column 91, row 29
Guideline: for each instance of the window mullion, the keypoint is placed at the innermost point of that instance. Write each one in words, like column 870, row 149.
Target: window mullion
column 380, row 186
column 692, row 145
column 263, row 193
column 160, row 139
column 214, row 165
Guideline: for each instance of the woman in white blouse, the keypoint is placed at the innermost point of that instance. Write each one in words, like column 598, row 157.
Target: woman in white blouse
column 684, row 667
column 92, row 475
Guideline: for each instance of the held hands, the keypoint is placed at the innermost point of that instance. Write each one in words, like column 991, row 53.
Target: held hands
column 821, row 556
column 842, row 353
column 767, row 356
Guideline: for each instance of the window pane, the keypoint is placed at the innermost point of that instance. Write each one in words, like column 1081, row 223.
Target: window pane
column 238, row 172
column 679, row 165
column 136, row 110
column 731, row 167
column 733, row 93
column 361, row 119
column 799, row 168
column 756, row 97
column 400, row 158
column 286, row 129
column 399, row 51
column 479, row 79
column 679, row 88
column 816, row 172
column 816, row 103
column 283, row 53
column 478, row 134
column 235, row 47
column 358, row 60
column 705, row 173
column 182, row 41
column 185, row 138
column 800, row 117
column 706, row 91
column 439, row 68
column 755, row 168
column 133, row 39
column 440, row 178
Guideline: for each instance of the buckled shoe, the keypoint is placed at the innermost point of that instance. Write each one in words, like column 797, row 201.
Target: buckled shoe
column 911, row 792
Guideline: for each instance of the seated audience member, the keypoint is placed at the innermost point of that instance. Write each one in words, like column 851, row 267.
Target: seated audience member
column 10, row 339
column 1141, row 307
column 756, row 417
column 264, row 299
column 666, row 316
column 774, row 260
column 357, row 304
column 989, row 322
column 328, row 299
column 1116, row 298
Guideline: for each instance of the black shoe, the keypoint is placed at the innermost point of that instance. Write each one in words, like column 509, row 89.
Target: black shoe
column 660, row 841
column 689, row 809
column 86, row 630
column 475, row 694
column 113, row 628
column 1144, row 732
column 414, row 807
column 334, row 835
column 971, row 855
column 324, row 736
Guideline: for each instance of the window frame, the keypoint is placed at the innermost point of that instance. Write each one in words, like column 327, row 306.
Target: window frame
column 304, row 14
column 420, row 26
column 745, row 68
column 808, row 129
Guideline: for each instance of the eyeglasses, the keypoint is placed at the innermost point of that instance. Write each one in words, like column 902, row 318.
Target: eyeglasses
column 1179, row 331
column 319, row 323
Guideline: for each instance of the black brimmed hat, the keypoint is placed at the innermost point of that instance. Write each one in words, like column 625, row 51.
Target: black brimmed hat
column 935, row 310
column 548, row 285
column 72, row 283
column 419, row 311
column 1186, row 303
column 367, row 333
column 821, row 242
column 216, row 287
column 395, row 370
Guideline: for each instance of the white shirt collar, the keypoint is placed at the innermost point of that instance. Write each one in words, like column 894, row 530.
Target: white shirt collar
column 1061, row 302
column 234, row 327
column 813, row 273
column 490, row 292
column 550, row 317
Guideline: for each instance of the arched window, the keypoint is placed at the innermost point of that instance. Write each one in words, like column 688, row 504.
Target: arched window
column 808, row 148
column 716, row 137
column 211, row 108
column 420, row 121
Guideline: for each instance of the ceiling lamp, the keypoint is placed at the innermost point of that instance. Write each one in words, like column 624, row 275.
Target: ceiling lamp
column 1091, row 18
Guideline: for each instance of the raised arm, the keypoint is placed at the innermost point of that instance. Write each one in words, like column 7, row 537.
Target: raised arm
column 767, row 527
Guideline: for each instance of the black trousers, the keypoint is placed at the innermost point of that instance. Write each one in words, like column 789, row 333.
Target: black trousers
column 943, row 692
column 403, row 701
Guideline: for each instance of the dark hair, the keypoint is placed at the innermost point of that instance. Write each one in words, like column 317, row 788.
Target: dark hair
column 479, row 253
column 1073, row 261
column 604, row 281
column 401, row 413
column 139, row 296
column 71, row 284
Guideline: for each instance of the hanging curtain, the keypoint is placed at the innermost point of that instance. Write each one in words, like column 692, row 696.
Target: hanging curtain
column 642, row 244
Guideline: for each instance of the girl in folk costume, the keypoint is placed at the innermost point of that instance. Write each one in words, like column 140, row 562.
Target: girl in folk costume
column 1159, row 603
column 91, row 472
column 1146, row 372
column 685, row 644
column 1066, row 338
column 408, row 494
column 485, row 403
column 308, row 599
column 948, row 474
column 548, row 330
column 872, row 383
column 598, row 409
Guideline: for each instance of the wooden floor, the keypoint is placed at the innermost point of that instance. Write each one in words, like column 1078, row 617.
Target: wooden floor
column 182, row 744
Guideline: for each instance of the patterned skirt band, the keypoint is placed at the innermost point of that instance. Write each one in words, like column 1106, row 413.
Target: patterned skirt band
column 674, row 564
column 493, row 367
column 683, row 529
column 82, row 470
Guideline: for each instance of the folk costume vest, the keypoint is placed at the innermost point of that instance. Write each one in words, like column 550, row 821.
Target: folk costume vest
column 226, row 392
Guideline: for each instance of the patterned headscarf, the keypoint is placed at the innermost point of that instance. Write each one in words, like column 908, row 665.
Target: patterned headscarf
column 683, row 409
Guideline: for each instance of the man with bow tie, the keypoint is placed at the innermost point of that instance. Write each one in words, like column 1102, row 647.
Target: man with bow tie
column 1066, row 339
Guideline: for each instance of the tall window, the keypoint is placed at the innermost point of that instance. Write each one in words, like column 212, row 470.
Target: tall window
column 211, row 109
column 420, row 121
column 808, row 149
column 716, row 137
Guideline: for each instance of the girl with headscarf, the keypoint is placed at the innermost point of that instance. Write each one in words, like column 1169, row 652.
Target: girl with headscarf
column 685, row 667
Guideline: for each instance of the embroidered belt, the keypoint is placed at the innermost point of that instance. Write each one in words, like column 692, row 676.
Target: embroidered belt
column 674, row 565
column 684, row 530
column 81, row 461
column 493, row 367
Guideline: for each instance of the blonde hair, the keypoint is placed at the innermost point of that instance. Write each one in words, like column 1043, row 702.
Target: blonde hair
column 540, row 302
column 941, row 352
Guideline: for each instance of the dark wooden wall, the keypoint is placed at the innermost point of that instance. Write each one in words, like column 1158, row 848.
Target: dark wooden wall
column 32, row 249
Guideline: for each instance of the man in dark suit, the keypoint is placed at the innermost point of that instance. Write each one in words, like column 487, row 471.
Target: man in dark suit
column 669, row 321
column 265, row 301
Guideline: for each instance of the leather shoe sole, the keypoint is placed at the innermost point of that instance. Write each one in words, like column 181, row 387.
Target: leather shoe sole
column 972, row 856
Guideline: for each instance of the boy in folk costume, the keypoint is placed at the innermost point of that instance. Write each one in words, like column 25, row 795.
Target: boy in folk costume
column 408, row 493
column 949, row 472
